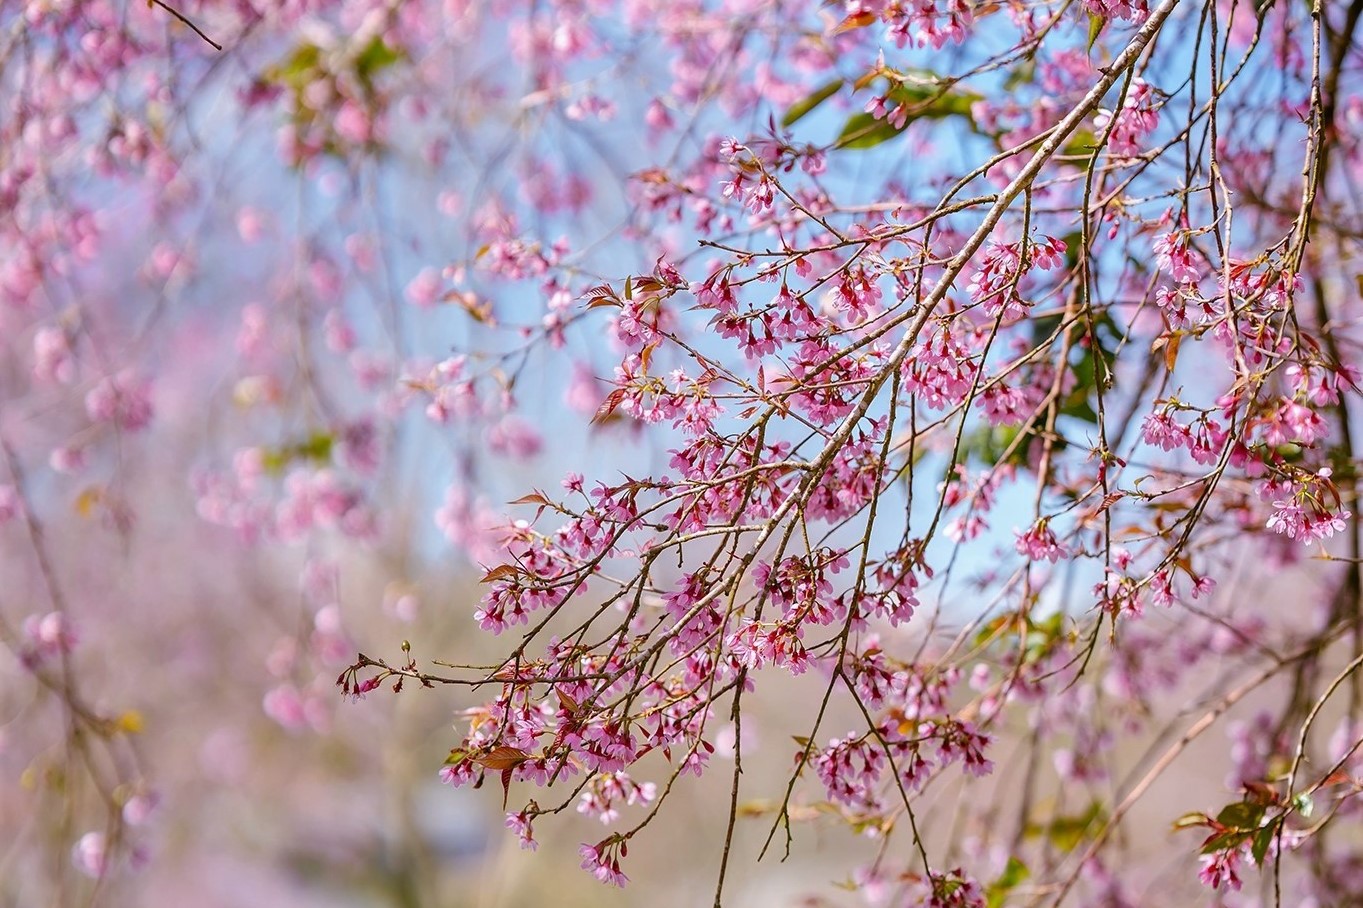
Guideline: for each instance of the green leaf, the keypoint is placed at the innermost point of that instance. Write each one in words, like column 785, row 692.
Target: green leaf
column 1189, row 820
column 1079, row 408
column 1096, row 24
column 1014, row 873
column 1044, row 326
column 1067, row 832
column 317, row 447
column 1241, row 815
column 865, row 131
column 989, row 442
column 1227, row 840
column 1078, row 148
column 1023, row 74
column 924, row 103
column 1303, row 805
column 1041, row 637
column 802, row 107
column 929, row 102
column 375, row 57
column 1080, row 142
column 296, row 69
column 1263, row 839
column 1289, row 452
column 990, row 628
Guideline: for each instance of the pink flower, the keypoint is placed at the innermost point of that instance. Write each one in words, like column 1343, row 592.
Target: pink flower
column 250, row 224
column 1039, row 543
column 1136, row 119
column 66, row 459
column 296, row 710
column 1174, row 256
column 91, row 855
column 850, row 769
column 1135, row 10
column 469, row 523
column 47, row 637
column 514, row 438
column 598, row 860
column 1218, row 869
column 338, row 332
column 52, row 357
column 1163, row 431
column 657, row 116
column 353, row 123
column 424, row 289
column 284, row 705
column 1005, row 406
column 961, row 740
column 1304, row 509
column 122, row 399
column 521, row 823
column 139, row 808
column 584, row 391
column 954, row 890
column 11, row 504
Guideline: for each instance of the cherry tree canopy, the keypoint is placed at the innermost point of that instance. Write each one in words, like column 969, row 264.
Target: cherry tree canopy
column 975, row 377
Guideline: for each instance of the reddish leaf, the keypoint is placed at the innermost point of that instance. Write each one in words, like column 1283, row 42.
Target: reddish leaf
column 865, row 81
column 479, row 310
column 654, row 175
column 1337, row 778
column 1261, row 793
column 502, row 759
column 854, row 22
column 1171, row 351
column 501, row 572
column 608, row 406
column 601, row 295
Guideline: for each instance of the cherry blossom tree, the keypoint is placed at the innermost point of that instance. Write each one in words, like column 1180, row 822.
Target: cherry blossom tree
column 975, row 376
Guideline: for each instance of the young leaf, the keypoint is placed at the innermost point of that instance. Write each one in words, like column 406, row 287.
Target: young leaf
column 1189, row 820
column 1096, row 24
column 1078, row 149
column 854, row 22
column 608, row 405
column 1263, row 839
column 802, row 107
column 502, row 759
column 922, row 102
column 1226, row 840
column 501, row 572
column 1241, row 815
column 1013, row 874
column 376, row 56
column 865, row 131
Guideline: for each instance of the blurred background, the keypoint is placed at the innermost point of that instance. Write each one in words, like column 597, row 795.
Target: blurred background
column 283, row 326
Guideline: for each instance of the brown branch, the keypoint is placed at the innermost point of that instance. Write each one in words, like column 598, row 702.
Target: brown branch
column 179, row 15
